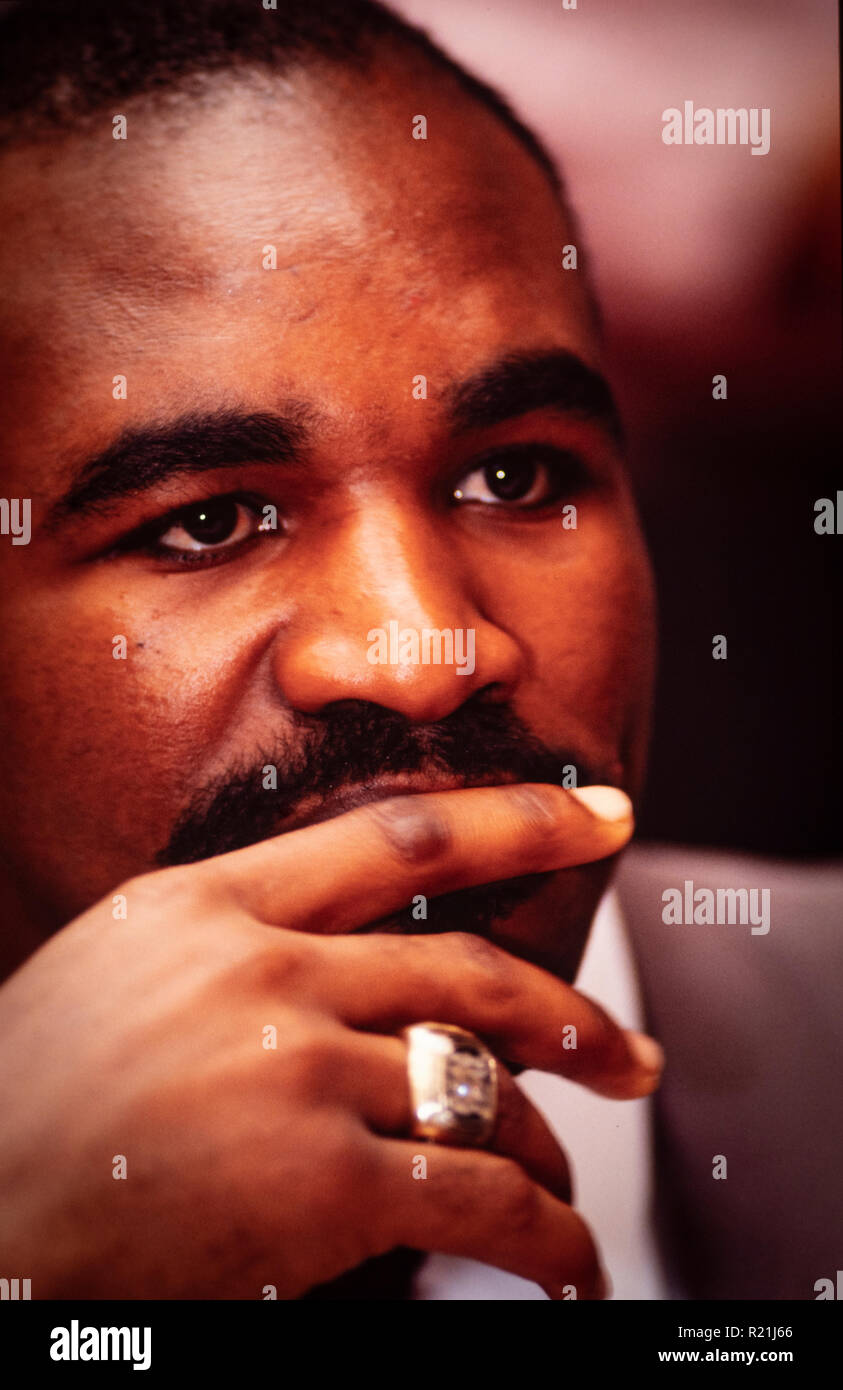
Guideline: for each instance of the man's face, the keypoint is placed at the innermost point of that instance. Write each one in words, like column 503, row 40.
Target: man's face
column 395, row 259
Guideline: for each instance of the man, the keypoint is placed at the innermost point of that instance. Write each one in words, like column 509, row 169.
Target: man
column 327, row 662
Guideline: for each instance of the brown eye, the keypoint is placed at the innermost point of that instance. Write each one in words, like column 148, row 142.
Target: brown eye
column 526, row 476
column 511, row 481
column 219, row 522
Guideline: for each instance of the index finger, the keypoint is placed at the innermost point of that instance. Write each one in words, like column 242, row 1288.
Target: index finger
column 369, row 862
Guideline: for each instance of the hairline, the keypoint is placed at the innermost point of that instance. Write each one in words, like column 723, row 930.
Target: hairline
column 40, row 123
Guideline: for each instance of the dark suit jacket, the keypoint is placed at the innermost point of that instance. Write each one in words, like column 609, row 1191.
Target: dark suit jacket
column 751, row 1025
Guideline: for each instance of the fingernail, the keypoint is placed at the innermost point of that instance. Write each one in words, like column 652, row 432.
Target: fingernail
column 648, row 1054
column 606, row 803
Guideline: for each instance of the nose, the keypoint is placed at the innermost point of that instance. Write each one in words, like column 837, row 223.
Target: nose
column 386, row 614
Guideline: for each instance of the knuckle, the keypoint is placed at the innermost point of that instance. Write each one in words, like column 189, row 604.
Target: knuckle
column 150, row 890
column 273, row 968
column 312, row 1061
column 488, row 971
column 415, row 830
column 178, row 891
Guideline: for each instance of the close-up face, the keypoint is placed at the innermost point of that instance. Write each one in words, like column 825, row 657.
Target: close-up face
column 272, row 266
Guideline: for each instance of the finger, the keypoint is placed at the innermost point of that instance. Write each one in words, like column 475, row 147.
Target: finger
column 373, row 860
column 375, row 1081
column 524, row 1014
column 483, row 1207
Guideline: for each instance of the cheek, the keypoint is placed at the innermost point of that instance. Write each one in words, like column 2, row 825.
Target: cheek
column 583, row 612
column 102, row 720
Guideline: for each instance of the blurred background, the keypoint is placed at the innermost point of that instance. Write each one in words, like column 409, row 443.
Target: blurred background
column 710, row 260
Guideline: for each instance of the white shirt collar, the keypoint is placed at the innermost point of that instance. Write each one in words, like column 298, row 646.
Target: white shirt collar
column 608, row 1143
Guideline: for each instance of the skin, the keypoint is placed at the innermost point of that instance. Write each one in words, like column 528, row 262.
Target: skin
column 395, row 257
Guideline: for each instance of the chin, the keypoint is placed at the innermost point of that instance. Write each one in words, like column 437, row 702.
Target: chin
column 551, row 929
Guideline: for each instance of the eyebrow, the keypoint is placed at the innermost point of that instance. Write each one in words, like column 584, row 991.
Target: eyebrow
column 193, row 443
column 518, row 384
column 144, row 456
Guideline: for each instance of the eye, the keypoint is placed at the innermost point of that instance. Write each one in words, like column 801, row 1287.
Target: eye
column 204, row 532
column 524, row 477
column 212, row 525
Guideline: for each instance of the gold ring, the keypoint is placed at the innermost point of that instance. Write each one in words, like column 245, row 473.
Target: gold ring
column 453, row 1084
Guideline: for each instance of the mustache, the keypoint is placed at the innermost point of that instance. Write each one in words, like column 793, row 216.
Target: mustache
column 355, row 741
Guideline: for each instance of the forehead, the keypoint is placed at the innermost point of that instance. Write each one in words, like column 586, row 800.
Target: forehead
column 152, row 255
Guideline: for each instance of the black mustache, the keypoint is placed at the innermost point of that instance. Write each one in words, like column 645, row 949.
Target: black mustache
column 357, row 741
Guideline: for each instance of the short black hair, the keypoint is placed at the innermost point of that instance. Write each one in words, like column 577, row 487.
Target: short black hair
column 63, row 60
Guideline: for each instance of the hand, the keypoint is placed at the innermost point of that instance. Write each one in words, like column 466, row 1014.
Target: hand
column 248, row 1165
